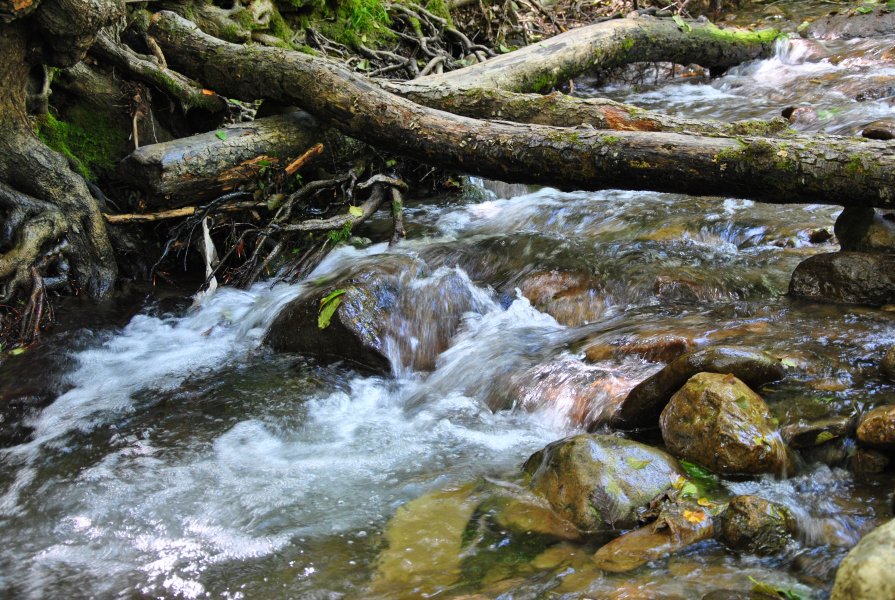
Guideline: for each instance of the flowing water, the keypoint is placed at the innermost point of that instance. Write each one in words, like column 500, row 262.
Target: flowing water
column 181, row 458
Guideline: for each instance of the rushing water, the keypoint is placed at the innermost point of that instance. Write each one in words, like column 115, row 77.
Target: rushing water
column 182, row 458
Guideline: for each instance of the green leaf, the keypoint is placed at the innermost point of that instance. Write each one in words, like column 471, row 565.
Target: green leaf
column 761, row 587
column 702, row 476
column 684, row 26
column 355, row 211
column 392, row 162
column 824, row 436
column 805, row 25
column 864, row 10
column 221, row 135
column 328, row 306
column 331, row 296
column 17, row 351
column 636, row 464
column 689, row 490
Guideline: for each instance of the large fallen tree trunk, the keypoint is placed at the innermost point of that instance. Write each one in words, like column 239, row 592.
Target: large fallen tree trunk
column 808, row 169
column 604, row 46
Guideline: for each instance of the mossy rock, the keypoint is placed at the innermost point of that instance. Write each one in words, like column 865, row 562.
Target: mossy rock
column 877, row 428
column 718, row 422
column 644, row 404
column 866, row 573
column 846, row 278
column 756, row 525
column 600, row 482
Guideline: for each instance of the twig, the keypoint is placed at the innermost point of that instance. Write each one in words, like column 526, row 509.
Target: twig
column 293, row 167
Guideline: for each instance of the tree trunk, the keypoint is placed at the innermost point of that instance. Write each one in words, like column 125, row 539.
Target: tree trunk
column 807, row 169
column 51, row 221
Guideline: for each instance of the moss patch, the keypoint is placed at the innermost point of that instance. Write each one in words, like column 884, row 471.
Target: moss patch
column 88, row 138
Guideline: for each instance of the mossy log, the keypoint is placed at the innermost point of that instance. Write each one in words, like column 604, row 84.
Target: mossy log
column 606, row 45
column 806, row 169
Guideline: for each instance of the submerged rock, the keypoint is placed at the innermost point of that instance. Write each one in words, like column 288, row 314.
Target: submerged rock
column 877, row 428
column 847, row 278
column 393, row 309
column 866, row 461
column 641, row 408
column 887, row 366
column 655, row 348
column 756, row 525
column 600, row 482
column 678, row 526
column 572, row 298
column 717, row 421
column 867, row 571
column 862, row 229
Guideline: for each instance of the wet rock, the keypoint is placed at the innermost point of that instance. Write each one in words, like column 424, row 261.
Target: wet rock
column 641, row 408
column 884, row 129
column 572, row 298
column 866, row 461
column 800, row 115
column 739, row 595
column 820, row 236
column 877, row 428
column 677, row 527
column 394, row 308
column 847, row 278
column 756, row 525
column 866, row 573
column 717, row 421
column 887, row 366
column 815, row 433
column 521, row 512
column 849, row 25
column 862, row 229
column 656, row 348
column 586, row 394
column 600, row 482
column 677, row 290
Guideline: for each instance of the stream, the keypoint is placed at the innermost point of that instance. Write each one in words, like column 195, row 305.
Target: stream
column 182, row 458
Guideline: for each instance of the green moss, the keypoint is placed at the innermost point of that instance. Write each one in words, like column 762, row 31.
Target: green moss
column 88, row 138
column 855, row 164
column 439, row 8
column 541, row 83
column 611, row 139
column 762, row 36
column 357, row 22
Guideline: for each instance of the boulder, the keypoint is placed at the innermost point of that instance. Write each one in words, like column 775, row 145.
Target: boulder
column 887, row 366
column 867, row 571
column 641, row 407
column 847, row 25
column 756, row 525
column 867, row 461
column 815, row 433
column 717, row 421
column 862, row 229
column 877, row 428
column 663, row 347
column 677, row 527
column 394, row 309
column 572, row 298
column 884, row 129
column 600, row 482
column 846, row 278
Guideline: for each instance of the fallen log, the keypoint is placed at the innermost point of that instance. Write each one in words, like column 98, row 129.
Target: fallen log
column 606, row 45
column 797, row 169
column 203, row 166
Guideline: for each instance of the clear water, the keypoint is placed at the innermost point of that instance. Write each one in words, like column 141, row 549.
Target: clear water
column 183, row 459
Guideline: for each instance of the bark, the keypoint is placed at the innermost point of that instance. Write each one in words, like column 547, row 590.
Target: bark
column 47, row 208
column 604, row 46
column 561, row 110
column 203, row 166
column 808, row 169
